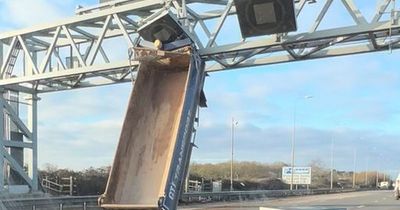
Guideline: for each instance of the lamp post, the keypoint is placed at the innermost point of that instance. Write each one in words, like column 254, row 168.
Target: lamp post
column 332, row 143
column 367, row 166
column 366, row 171
column 384, row 176
column 233, row 124
column 380, row 161
column 332, row 154
column 354, row 169
column 294, row 138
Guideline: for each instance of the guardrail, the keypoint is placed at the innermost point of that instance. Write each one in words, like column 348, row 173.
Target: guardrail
column 61, row 203
column 90, row 202
column 257, row 194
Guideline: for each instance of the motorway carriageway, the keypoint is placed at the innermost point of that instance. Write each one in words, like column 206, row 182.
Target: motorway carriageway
column 366, row 200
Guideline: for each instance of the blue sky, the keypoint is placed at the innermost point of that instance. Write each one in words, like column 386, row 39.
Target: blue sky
column 356, row 103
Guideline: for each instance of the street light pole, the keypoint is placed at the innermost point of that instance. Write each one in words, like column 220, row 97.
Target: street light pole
column 332, row 158
column 232, row 143
column 293, row 145
column 332, row 162
column 380, row 161
column 384, row 176
column 354, row 169
column 294, row 139
column 366, row 173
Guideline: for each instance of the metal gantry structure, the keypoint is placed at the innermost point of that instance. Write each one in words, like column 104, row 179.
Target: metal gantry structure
column 91, row 49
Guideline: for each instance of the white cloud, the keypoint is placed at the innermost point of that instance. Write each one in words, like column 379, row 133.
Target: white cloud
column 25, row 13
column 272, row 144
column 79, row 129
column 79, row 145
column 360, row 91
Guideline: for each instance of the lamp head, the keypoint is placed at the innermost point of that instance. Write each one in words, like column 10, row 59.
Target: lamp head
column 165, row 28
column 264, row 17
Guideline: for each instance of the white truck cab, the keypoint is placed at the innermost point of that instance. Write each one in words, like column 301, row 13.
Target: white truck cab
column 397, row 188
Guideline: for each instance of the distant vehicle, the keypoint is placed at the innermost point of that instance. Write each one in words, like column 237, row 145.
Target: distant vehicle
column 384, row 185
column 397, row 188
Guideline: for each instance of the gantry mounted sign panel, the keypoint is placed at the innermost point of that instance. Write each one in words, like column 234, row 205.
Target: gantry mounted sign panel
column 77, row 52
column 153, row 150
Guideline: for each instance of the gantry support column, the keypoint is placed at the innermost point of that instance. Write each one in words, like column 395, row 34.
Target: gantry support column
column 29, row 141
column 32, row 125
column 30, row 60
column 16, row 135
column 2, row 136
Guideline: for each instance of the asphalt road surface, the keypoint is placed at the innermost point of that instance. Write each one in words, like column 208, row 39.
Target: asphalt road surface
column 381, row 200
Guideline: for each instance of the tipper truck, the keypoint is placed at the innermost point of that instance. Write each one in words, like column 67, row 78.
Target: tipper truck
column 154, row 147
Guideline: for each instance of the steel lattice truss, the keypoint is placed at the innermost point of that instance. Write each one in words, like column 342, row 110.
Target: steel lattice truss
column 74, row 53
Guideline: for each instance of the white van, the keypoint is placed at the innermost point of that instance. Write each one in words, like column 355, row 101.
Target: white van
column 397, row 188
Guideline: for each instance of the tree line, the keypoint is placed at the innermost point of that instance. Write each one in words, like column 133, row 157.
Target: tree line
column 246, row 176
